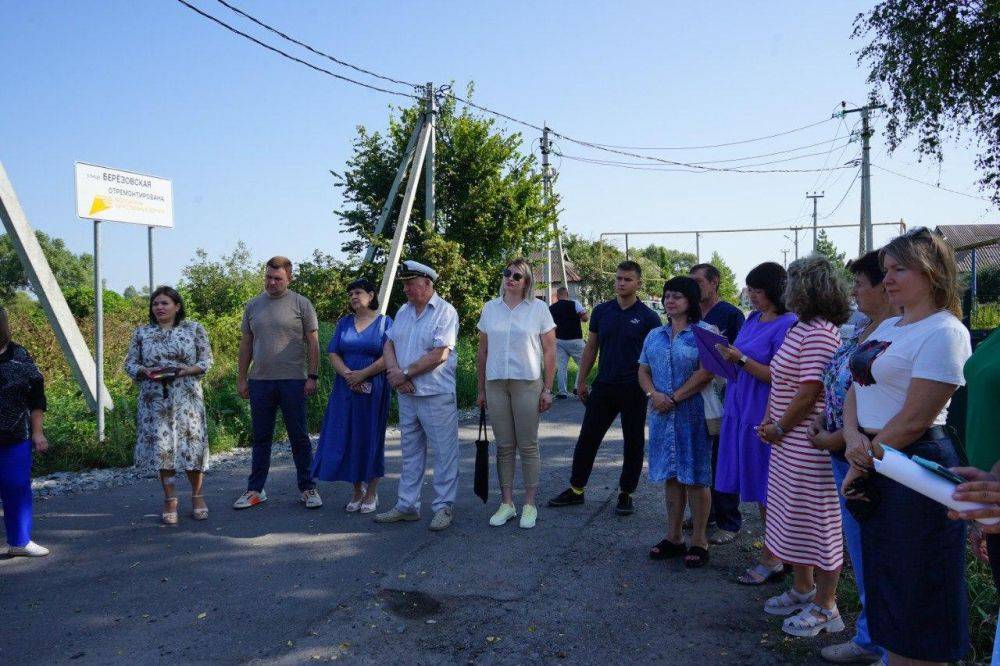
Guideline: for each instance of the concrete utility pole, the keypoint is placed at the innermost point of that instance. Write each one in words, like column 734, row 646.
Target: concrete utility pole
column 784, row 259
column 546, row 198
column 866, row 240
column 429, row 211
column 814, row 197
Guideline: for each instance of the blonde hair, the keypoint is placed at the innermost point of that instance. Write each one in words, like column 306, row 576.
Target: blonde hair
column 921, row 250
column 816, row 290
column 520, row 265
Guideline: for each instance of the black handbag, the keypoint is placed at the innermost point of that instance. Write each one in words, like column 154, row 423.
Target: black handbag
column 481, row 485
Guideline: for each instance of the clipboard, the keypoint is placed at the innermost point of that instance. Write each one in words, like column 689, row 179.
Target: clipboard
column 711, row 360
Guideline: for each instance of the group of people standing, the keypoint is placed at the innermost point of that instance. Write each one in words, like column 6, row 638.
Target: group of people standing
column 811, row 402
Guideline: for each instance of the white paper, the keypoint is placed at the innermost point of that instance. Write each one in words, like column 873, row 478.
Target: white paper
column 899, row 468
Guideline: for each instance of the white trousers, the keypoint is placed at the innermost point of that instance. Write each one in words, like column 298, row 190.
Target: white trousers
column 429, row 421
column 564, row 350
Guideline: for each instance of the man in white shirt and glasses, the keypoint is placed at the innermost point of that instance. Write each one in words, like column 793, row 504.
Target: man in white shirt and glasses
column 420, row 364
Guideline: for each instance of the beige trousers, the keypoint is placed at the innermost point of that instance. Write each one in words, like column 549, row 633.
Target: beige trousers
column 512, row 405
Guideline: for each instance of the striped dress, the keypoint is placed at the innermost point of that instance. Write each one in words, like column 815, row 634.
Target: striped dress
column 803, row 512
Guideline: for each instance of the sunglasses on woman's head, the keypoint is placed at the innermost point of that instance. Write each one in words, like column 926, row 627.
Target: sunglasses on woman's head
column 507, row 273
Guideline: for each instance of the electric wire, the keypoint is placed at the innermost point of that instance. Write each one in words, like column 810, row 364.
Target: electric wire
column 313, row 50
column 718, row 145
column 293, row 58
column 843, row 198
column 738, row 166
column 924, row 182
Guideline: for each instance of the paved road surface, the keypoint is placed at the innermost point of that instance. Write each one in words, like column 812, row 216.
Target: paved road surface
column 281, row 584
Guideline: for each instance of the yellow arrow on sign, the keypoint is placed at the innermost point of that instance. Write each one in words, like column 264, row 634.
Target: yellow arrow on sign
column 100, row 203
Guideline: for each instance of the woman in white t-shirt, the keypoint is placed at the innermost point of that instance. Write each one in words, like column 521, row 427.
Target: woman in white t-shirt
column 904, row 376
column 517, row 336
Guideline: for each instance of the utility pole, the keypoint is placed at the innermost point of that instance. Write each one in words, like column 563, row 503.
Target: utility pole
column 697, row 247
column 546, row 198
column 866, row 240
column 784, row 260
column 429, row 211
column 814, row 197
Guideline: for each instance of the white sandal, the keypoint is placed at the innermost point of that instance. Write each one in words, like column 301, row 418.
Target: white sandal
column 170, row 517
column 369, row 507
column 789, row 602
column 813, row 620
column 354, row 505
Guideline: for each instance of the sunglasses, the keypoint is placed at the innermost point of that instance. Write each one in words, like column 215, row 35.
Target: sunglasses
column 507, row 273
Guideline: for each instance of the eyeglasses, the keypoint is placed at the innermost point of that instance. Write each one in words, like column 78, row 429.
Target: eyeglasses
column 507, row 273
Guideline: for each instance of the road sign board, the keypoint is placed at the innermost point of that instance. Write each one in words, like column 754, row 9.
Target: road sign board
column 114, row 195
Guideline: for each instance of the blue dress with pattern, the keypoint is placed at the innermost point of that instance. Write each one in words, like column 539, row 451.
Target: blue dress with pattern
column 351, row 443
column 679, row 446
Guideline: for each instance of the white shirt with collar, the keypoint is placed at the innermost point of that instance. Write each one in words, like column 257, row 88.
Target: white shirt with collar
column 413, row 336
column 514, row 349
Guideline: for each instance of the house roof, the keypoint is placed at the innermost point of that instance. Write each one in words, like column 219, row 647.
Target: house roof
column 537, row 260
column 959, row 235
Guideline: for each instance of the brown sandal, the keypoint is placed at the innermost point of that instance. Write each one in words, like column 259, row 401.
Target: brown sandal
column 170, row 517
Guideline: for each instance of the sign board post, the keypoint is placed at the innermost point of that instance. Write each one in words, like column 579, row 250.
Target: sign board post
column 112, row 195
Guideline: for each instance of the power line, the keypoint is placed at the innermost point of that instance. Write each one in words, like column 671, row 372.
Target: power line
column 313, row 50
column 778, row 152
column 843, row 198
column 737, row 166
column 293, row 58
column 924, row 182
column 718, row 145
column 652, row 167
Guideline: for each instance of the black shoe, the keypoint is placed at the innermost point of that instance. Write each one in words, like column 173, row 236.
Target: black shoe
column 567, row 497
column 575, row 392
column 561, row 396
column 625, row 505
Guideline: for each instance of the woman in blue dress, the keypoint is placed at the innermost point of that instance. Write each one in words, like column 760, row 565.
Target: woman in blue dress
column 352, row 442
column 680, row 451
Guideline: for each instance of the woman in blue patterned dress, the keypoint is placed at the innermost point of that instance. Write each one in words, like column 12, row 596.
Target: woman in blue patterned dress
column 680, row 451
column 351, row 444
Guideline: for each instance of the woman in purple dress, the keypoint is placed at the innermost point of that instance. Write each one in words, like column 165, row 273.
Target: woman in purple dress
column 743, row 458
column 351, row 443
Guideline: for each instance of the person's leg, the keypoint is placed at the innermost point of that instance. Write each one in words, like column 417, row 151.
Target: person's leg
column 826, row 588
column 167, row 479
column 196, row 478
column 597, row 418
column 293, row 410
column 359, row 492
column 767, row 558
column 562, row 365
column 632, row 403
column 676, row 499
column 371, row 490
column 700, row 499
column 803, row 580
column 502, row 421
column 413, row 448
column 725, row 511
column 15, row 492
column 439, row 417
column 264, row 399
column 524, row 405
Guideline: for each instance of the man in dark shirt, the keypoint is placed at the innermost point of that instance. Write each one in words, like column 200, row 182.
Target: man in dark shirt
column 617, row 330
column 568, row 315
column 729, row 320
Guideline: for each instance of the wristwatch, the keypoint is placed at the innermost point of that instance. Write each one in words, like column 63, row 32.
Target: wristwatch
column 406, row 373
column 649, row 394
column 743, row 360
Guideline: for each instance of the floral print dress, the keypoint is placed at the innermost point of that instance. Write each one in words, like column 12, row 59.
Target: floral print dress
column 171, row 433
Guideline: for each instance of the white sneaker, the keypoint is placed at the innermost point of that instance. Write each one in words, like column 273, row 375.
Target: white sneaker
column 503, row 514
column 30, row 549
column 311, row 499
column 529, row 514
column 250, row 498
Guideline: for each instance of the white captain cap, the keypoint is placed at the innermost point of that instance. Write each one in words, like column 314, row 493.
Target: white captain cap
column 415, row 269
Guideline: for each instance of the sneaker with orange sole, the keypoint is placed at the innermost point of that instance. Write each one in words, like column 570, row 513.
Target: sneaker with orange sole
column 249, row 499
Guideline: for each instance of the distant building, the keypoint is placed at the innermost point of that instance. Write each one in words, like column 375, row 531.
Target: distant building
column 537, row 260
column 959, row 235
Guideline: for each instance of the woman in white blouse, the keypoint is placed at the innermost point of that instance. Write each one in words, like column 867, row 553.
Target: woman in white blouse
column 904, row 376
column 516, row 338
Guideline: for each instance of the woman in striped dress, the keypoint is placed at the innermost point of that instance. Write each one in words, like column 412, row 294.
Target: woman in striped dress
column 803, row 525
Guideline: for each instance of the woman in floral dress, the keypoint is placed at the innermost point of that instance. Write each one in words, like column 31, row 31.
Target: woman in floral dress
column 166, row 357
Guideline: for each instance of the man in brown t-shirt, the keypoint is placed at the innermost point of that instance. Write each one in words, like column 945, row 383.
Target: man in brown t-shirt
column 279, row 361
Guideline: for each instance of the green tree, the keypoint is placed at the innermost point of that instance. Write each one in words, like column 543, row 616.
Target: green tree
column 729, row 291
column 323, row 280
column 70, row 269
column 935, row 63
column 220, row 287
column 595, row 262
column 671, row 262
column 825, row 247
column 488, row 201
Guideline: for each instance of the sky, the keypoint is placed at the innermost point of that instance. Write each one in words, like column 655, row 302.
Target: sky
column 248, row 138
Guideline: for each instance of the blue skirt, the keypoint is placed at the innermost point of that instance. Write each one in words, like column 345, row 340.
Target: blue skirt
column 913, row 557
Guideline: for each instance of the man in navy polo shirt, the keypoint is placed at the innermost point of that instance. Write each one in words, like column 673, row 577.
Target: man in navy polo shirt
column 617, row 330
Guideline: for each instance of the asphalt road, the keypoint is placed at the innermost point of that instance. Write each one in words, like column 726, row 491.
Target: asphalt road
column 282, row 584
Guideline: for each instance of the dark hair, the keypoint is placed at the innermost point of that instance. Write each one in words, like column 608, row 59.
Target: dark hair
column 172, row 294
column 711, row 272
column 629, row 265
column 4, row 328
column 770, row 277
column 281, row 263
column 368, row 286
column 689, row 288
column 816, row 290
column 869, row 265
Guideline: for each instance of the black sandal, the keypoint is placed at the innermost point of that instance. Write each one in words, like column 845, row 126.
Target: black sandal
column 667, row 549
column 696, row 557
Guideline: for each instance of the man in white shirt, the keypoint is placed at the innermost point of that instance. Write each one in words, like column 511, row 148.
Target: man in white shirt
column 420, row 365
